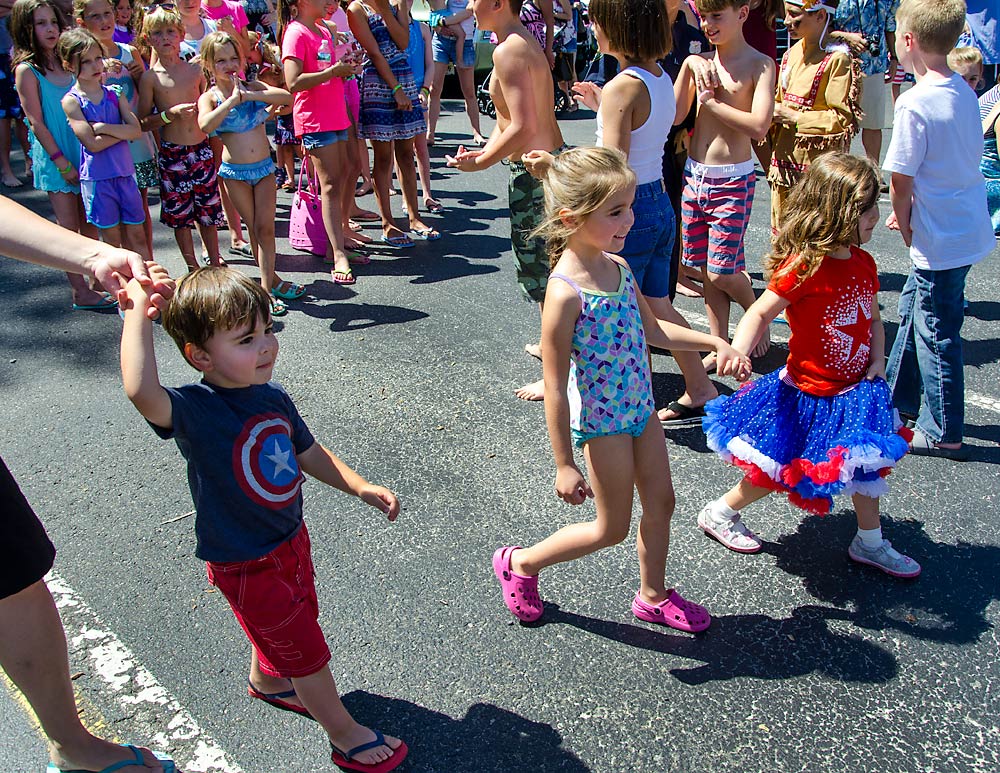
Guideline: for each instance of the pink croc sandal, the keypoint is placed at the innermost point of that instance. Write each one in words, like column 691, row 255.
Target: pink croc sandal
column 674, row 611
column 520, row 593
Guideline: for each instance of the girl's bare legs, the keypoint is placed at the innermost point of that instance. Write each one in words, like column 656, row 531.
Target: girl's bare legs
column 744, row 494
column 147, row 226
column 403, row 150
column 656, row 493
column 382, row 175
column 867, row 511
column 328, row 161
column 611, row 471
column 33, row 654
column 255, row 204
column 467, row 80
column 232, row 216
column 6, row 172
column 424, row 169
column 349, row 178
column 68, row 209
column 434, row 110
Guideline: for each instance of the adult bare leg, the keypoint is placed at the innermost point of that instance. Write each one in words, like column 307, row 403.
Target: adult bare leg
column 467, row 80
column 33, row 654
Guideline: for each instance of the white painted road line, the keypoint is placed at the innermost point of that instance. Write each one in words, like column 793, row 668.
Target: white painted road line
column 778, row 334
column 170, row 727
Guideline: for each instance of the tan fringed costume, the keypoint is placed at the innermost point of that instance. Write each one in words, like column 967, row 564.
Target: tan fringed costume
column 826, row 88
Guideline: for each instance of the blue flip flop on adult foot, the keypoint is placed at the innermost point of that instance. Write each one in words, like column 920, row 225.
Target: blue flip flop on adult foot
column 107, row 303
column 164, row 760
column 345, row 759
column 401, row 242
column 276, row 699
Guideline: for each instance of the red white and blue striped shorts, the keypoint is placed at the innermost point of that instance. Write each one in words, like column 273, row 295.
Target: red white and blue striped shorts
column 715, row 212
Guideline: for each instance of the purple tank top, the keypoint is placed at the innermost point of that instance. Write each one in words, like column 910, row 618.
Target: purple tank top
column 115, row 161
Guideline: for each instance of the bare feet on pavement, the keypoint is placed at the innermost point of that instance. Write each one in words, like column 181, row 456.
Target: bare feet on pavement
column 535, row 350
column 532, row 392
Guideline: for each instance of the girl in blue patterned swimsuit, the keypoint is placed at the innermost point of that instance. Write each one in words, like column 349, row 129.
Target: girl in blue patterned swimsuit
column 237, row 110
column 598, row 392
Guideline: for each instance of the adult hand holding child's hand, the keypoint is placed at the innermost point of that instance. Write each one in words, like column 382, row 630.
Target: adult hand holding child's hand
column 124, row 274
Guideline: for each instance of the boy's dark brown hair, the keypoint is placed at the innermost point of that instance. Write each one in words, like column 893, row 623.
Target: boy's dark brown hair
column 638, row 29
column 714, row 6
column 212, row 299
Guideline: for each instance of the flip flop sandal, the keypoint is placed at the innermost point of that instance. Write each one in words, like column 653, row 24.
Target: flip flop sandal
column 687, row 416
column 363, row 190
column 343, row 277
column 366, row 217
column 107, row 303
column 344, row 759
column 244, row 251
column 520, row 593
column 278, row 307
column 434, row 206
column 352, row 257
column 401, row 242
column 674, row 611
column 288, row 291
column 427, row 234
column 356, row 258
column 275, row 699
column 164, row 760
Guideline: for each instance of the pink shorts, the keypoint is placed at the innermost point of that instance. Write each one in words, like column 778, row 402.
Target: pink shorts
column 715, row 212
column 274, row 600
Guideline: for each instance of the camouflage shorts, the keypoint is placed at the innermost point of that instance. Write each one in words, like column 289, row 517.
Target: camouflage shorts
column 527, row 208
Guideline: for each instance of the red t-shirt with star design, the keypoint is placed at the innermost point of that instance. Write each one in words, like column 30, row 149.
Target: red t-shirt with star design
column 830, row 316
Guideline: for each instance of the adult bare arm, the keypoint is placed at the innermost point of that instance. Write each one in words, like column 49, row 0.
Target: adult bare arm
column 33, row 239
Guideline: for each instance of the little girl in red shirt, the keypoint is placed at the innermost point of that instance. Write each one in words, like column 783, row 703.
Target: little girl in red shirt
column 824, row 424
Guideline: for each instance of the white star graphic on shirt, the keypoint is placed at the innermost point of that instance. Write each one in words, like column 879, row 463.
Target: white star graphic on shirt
column 280, row 459
column 849, row 323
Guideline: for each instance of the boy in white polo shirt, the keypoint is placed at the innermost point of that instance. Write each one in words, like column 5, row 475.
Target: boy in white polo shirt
column 939, row 206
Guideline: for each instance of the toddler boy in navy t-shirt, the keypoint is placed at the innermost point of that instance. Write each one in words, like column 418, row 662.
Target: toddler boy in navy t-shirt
column 247, row 448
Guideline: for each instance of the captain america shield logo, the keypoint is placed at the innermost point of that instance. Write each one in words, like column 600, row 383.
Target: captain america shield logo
column 264, row 462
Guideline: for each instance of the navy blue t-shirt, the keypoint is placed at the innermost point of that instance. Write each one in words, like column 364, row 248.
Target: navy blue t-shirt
column 240, row 446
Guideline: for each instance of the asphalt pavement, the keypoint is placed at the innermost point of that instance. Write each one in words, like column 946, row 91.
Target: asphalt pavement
column 812, row 663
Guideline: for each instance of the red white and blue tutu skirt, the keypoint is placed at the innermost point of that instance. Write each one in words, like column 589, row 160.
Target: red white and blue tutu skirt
column 811, row 448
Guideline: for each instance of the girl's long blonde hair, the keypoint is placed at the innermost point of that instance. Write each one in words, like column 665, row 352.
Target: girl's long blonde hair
column 576, row 184
column 822, row 214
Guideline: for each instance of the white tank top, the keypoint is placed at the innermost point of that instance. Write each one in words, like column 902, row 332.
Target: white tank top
column 645, row 154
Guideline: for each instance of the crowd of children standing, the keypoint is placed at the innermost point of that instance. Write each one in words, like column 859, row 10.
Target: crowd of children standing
column 834, row 420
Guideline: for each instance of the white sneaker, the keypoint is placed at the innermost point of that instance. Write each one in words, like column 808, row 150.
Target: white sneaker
column 731, row 533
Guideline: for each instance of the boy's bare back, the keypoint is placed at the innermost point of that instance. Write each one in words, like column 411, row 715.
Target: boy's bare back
column 520, row 66
column 165, row 86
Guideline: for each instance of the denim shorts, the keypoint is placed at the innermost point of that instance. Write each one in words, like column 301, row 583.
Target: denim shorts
column 444, row 51
column 316, row 140
column 248, row 173
column 650, row 241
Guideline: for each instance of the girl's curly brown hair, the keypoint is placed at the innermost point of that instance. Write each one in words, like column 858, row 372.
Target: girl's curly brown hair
column 822, row 214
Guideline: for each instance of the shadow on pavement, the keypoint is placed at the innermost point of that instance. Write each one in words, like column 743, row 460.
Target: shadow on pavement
column 947, row 603
column 751, row 645
column 488, row 739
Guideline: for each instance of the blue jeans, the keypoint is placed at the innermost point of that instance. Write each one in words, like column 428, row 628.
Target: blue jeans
column 650, row 242
column 926, row 357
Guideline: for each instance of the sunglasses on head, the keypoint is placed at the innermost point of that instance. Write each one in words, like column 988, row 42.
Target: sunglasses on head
column 164, row 6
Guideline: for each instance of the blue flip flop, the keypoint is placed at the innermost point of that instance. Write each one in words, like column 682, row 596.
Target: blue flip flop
column 165, row 761
column 427, row 234
column 107, row 303
column 401, row 242
column 275, row 699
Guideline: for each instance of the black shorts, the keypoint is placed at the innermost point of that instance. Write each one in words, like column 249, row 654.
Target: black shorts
column 29, row 552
